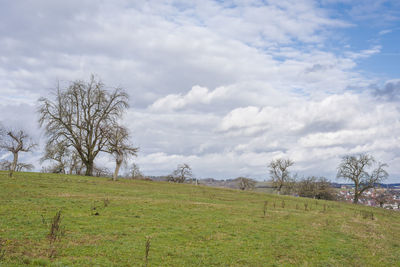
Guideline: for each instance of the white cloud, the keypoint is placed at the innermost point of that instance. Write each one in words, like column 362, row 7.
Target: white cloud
column 383, row 32
column 197, row 95
column 225, row 86
column 365, row 53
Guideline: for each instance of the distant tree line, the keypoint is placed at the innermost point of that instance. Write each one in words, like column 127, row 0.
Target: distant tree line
column 362, row 170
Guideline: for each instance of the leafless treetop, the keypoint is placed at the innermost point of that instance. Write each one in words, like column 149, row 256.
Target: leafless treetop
column 118, row 144
column 81, row 116
column 279, row 172
column 355, row 169
column 16, row 141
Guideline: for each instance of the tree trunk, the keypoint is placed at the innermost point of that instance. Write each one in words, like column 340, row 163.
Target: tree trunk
column 13, row 164
column 89, row 168
column 117, row 166
column 280, row 188
column 355, row 200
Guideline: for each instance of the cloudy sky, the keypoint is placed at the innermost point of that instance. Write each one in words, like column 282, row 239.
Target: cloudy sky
column 225, row 86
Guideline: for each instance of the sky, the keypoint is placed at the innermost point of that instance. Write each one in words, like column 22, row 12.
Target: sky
column 225, row 86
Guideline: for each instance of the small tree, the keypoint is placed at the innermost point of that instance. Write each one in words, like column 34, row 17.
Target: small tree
column 101, row 171
column 279, row 172
column 182, row 172
column 134, row 172
column 315, row 187
column 24, row 167
column 65, row 160
column 245, row 183
column 354, row 168
column 118, row 145
column 15, row 141
column 6, row 166
column 382, row 197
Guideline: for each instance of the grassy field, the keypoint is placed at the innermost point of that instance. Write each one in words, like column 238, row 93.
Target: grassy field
column 188, row 226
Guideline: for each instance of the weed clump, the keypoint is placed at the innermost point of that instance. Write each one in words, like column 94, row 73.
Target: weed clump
column 147, row 250
column 93, row 209
column 367, row 215
column 2, row 249
column 106, row 202
column 56, row 233
column 265, row 207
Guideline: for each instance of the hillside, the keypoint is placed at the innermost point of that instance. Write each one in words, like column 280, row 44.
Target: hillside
column 188, row 226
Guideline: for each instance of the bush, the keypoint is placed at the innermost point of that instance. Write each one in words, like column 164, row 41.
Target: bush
column 315, row 187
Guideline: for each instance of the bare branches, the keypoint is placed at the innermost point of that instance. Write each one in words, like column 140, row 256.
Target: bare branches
column 182, row 173
column 119, row 146
column 354, row 168
column 279, row 172
column 315, row 187
column 134, row 172
column 65, row 160
column 16, row 141
column 81, row 116
column 245, row 183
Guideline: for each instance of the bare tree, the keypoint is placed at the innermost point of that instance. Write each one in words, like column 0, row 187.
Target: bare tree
column 279, row 172
column 59, row 153
column 5, row 165
column 80, row 117
column 16, row 141
column 101, row 171
column 66, row 160
column 382, row 197
column 182, row 172
column 24, row 167
column 118, row 145
column 134, row 172
column 244, row 183
column 354, row 168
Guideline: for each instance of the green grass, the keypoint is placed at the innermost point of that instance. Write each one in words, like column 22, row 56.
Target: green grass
column 188, row 225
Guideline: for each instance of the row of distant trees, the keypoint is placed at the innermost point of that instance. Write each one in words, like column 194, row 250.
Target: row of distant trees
column 84, row 119
column 362, row 170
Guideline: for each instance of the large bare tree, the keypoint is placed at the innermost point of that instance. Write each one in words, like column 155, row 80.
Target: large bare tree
column 15, row 141
column 279, row 172
column 81, row 115
column 119, row 146
column 355, row 169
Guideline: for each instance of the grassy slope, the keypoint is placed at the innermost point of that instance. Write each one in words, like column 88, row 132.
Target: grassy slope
column 189, row 226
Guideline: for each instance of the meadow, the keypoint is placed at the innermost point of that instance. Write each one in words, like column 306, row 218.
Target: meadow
column 106, row 223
